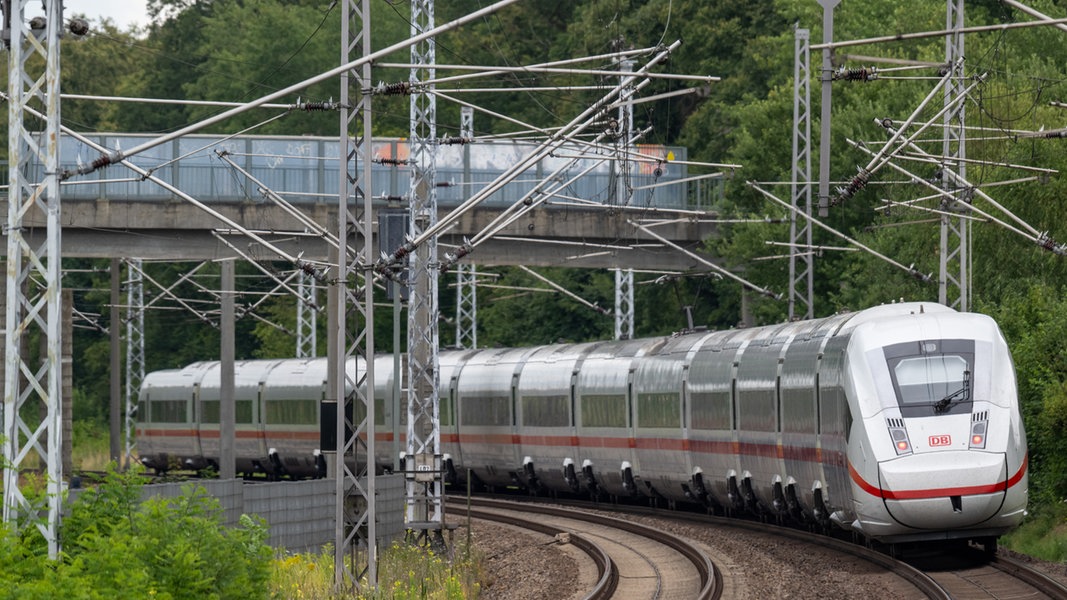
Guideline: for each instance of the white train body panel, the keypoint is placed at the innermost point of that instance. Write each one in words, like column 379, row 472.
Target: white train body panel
column 899, row 422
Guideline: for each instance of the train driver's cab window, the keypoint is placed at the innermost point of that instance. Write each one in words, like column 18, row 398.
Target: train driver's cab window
column 932, row 377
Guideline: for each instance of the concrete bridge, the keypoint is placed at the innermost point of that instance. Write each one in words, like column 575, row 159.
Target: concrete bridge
column 114, row 213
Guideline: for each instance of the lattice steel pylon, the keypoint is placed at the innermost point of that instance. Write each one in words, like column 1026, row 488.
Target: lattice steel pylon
column 466, row 274
column 624, row 304
column 307, row 310
column 466, row 306
column 355, row 550
column 33, row 273
column 134, row 350
column 801, row 257
column 954, row 285
column 425, row 493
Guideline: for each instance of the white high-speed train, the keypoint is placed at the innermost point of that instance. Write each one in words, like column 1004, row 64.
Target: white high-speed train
column 900, row 422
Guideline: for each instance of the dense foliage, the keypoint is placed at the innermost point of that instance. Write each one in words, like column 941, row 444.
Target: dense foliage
column 115, row 546
column 234, row 50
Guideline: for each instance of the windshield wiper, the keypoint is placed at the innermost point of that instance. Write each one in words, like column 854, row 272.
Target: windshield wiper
column 943, row 404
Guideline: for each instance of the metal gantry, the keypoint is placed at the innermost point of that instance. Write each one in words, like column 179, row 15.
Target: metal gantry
column 801, row 257
column 425, row 493
column 33, row 272
column 954, row 285
column 355, row 550
column 134, row 350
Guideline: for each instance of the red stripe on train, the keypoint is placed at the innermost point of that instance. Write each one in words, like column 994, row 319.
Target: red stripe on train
column 972, row 490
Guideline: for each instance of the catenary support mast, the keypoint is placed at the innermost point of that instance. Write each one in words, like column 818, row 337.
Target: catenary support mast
column 954, row 286
column 355, row 551
column 33, row 272
column 425, row 493
column 801, row 256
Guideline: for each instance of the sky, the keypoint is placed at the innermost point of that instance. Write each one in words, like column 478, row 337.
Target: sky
column 123, row 12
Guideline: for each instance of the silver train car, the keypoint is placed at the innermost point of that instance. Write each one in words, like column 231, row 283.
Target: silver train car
column 900, row 423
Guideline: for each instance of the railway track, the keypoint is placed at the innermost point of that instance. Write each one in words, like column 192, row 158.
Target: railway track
column 965, row 574
column 633, row 561
column 969, row 575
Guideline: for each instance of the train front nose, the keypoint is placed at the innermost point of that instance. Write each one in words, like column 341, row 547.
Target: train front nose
column 947, row 489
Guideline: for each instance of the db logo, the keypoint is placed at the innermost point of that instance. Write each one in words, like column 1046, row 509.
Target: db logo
column 940, row 440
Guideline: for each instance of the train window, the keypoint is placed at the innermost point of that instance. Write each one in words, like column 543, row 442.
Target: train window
column 658, row 410
column 545, row 411
column 603, row 410
column 209, row 411
column 170, row 411
column 711, row 410
column 142, row 411
column 931, row 375
column 243, row 412
column 361, row 410
column 292, row 412
column 485, row 410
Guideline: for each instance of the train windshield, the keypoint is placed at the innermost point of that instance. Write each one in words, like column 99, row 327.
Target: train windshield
column 932, row 376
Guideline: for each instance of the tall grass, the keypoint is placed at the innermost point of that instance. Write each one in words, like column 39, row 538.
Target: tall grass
column 1043, row 535
column 91, row 448
column 405, row 572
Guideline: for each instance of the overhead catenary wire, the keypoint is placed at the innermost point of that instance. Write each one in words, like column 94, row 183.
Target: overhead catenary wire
column 725, row 272
column 576, row 125
column 117, row 156
column 910, row 270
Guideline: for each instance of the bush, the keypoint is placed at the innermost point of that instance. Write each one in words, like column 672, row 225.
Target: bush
column 115, row 546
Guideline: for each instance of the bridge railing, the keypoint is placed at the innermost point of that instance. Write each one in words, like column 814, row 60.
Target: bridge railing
column 305, row 170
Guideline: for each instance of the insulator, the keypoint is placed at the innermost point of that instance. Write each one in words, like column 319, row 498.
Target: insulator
column 402, row 88
column 1055, row 134
column 316, row 106
column 101, row 162
column 860, row 74
column 396, row 162
column 38, row 23
column 858, row 183
column 1046, row 242
column 455, row 140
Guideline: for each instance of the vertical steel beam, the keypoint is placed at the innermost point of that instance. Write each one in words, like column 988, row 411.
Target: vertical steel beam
column 425, row 494
column 227, row 412
column 115, row 364
column 826, row 77
column 801, row 258
column 954, row 286
column 33, row 273
column 355, row 549
column 624, row 304
column 134, row 350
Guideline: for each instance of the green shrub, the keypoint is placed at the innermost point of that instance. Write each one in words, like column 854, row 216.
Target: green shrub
column 116, row 547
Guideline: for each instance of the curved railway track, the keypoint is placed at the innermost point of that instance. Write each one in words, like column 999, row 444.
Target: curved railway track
column 964, row 574
column 633, row 560
column 967, row 574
